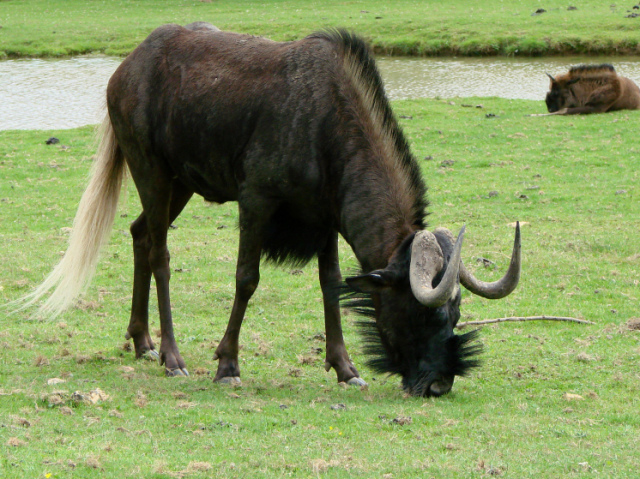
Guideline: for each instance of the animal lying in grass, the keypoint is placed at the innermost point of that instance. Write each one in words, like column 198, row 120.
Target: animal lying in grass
column 302, row 136
column 591, row 89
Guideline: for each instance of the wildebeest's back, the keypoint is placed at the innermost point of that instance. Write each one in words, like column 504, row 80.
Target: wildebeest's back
column 629, row 96
column 223, row 109
column 597, row 83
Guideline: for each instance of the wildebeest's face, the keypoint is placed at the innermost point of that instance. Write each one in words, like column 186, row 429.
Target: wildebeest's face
column 419, row 344
column 408, row 338
column 561, row 96
column 554, row 100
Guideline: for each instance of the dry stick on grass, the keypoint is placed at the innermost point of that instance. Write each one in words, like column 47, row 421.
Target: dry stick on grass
column 525, row 318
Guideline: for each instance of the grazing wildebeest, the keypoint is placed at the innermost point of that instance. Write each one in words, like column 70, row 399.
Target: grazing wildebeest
column 591, row 89
column 302, row 136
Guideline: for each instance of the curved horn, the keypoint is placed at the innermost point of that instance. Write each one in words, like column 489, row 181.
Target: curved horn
column 426, row 261
column 552, row 79
column 497, row 289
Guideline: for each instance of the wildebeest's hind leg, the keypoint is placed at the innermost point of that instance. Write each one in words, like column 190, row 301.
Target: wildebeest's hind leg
column 330, row 278
column 252, row 227
column 151, row 256
column 138, row 329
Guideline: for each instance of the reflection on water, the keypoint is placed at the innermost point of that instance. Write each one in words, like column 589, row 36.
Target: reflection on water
column 48, row 94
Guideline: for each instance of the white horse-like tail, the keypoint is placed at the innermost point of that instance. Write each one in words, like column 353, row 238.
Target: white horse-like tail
column 91, row 228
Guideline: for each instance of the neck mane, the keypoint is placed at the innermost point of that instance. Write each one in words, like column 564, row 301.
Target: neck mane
column 383, row 195
column 579, row 70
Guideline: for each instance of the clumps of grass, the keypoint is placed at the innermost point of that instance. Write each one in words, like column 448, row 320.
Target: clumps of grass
column 423, row 28
column 517, row 398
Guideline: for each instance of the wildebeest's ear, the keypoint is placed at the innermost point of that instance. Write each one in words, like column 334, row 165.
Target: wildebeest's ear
column 373, row 282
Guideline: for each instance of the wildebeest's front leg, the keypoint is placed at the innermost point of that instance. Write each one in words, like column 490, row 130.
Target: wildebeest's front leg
column 578, row 110
column 330, row 278
column 599, row 101
column 247, row 278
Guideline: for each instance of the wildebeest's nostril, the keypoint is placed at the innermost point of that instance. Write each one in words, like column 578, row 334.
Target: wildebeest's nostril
column 440, row 387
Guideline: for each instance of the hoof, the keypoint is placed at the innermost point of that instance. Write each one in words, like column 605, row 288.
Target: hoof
column 151, row 355
column 356, row 382
column 177, row 372
column 231, row 380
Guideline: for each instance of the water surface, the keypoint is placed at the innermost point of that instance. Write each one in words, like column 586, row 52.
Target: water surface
column 47, row 94
column 515, row 78
column 56, row 94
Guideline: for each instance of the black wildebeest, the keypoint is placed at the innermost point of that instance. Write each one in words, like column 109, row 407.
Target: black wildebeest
column 302, row 136
column 591, row 89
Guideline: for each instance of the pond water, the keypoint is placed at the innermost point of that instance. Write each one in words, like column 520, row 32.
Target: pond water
column 56, row 94
column 48, row 94
column 515, row 78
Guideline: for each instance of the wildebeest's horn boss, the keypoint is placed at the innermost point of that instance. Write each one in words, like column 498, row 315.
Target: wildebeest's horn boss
column 426, row 262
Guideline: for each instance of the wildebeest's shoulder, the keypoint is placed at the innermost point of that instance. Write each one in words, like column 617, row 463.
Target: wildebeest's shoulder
column 359, row 59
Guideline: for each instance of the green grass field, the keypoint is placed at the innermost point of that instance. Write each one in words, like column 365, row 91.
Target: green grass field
column 550, row 399
column 407, row 27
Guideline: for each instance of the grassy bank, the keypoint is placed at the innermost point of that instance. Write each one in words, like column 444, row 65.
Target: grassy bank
column 550, row 400
column 457, row 27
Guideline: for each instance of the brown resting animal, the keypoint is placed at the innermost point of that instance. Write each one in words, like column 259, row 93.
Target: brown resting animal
column 591, row 89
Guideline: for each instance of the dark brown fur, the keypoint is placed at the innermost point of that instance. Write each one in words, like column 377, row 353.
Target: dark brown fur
column 302, row 137
column 591, row 89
